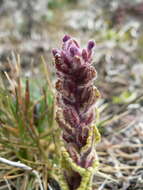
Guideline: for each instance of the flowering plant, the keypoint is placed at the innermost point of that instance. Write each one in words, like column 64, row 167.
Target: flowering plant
column 76, row 98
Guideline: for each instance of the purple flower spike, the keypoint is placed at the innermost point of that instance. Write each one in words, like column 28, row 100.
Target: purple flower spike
column 76, row 98
column 66, row 38
column 91, row 44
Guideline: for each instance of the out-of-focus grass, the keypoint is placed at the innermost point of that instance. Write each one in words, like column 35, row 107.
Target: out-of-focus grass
column 27, row 127
column 59, row 3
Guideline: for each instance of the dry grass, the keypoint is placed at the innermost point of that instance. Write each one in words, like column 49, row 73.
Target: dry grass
column 27, row 129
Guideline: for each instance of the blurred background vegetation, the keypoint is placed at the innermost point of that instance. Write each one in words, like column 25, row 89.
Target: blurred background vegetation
column 29, row 29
